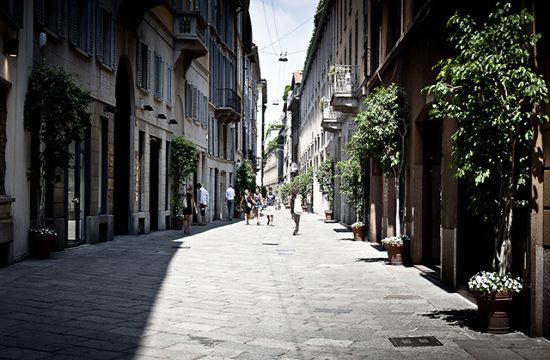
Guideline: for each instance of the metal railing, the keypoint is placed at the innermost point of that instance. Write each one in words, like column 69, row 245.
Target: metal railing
column 344, row 78
column 187, row 25
column 228, row 98
column 328, row 111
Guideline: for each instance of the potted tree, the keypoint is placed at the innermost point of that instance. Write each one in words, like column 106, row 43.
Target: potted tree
column 381, row 133
column 246, row 179
column 395, row 246
column 56, row 114
column 183, row 162
column 352, row 188
column 325, row 177
column 492, row 148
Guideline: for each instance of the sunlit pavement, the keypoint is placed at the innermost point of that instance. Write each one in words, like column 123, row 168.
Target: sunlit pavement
column 236, row 291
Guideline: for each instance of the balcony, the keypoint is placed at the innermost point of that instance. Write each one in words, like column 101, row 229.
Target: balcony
column 330, row 121
column 190, row 34
column 228, row 105
column 344, row 79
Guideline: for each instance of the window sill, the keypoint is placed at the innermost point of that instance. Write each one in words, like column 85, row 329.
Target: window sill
column 81, row 52
column 105, row 67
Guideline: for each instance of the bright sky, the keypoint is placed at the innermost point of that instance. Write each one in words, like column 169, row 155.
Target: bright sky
column 281, row 19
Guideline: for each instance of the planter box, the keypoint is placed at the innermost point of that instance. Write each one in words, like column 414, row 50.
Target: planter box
column 494, row 312
column 328, row 215
column 41, row 246
column 177, row 223
column 357, row 233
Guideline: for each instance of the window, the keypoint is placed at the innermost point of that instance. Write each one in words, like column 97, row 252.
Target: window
column 159, row 76
column 82, row 24
column 106, row 38
column 143, row 73
column 52, row 14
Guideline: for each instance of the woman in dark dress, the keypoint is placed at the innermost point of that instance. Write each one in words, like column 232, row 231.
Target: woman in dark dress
column 247, row 203
column 188, row 210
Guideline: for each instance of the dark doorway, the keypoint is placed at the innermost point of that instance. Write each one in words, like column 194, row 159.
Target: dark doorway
column 431, row 244
column 75, row 195
column 216, row 185
column 154, row 146
column 122, row 161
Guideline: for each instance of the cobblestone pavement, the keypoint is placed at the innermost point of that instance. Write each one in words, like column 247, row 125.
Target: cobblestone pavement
column 236, row 291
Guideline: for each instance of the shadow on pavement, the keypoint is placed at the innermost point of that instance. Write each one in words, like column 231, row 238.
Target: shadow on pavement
column 342, row 230
column 86, row 302
column 465, row 318
column 372, row 260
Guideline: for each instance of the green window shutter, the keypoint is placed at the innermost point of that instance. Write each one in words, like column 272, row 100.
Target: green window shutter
column 139, row 64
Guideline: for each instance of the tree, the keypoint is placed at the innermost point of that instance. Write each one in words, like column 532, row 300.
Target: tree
column 183, row 162
column 325, row 177
column 351, row 185
column 381, row 133
column 494, row 94
column 56, row 113
column 246, row 179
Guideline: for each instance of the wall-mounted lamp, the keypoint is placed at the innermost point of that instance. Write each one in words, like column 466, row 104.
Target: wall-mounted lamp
column 172, row 122
column 110, row 109
column 42, row 40
column 161, row 116
column 11, row 47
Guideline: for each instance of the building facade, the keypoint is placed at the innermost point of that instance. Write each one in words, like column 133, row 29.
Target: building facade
column 156, row 70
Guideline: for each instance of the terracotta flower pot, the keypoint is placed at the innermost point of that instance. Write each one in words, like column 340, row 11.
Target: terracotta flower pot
column 395, row 254
column 177, row 222
column 328, row 215
column 357, row 233
column 494, row 312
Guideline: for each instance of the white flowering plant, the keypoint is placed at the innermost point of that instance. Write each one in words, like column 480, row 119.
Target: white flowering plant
column 489, row 283
column 43, row 231
column 357, row 224
column 395, row 240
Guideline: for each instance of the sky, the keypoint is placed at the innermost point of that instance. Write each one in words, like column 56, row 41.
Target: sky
column 282, row 18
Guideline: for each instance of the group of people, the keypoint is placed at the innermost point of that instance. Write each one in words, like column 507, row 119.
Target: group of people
column 252, row 205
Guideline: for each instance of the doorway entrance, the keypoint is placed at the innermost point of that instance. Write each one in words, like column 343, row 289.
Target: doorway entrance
column 154, row 146
column 122, row 158
column 75, row 199
column 431, row 183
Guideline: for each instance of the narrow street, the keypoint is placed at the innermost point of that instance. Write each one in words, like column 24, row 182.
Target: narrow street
column 232, row 291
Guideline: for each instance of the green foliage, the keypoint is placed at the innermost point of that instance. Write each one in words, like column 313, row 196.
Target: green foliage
column 316, row 19
column 381, row 129
column 325, row 177
column 246, row 179
column 284, row 192
column 304, row 183
column 56, row 110
column 272, row 145
column 494, row 94
column 351, row 185
column 285, row 94
column 183, row 162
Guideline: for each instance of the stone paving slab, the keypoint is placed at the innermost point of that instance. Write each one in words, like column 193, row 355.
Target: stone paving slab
column 232, row 291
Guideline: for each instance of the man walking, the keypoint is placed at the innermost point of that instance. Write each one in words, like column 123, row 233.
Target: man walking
column 229, row 200
column 203, row 202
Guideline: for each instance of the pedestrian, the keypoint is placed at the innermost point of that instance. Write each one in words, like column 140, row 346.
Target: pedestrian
column 296, row 209
column 189, row 206
column 229, row 200
column 258, row 203
column 203, row 202
column 247, row 205
column 270, row 202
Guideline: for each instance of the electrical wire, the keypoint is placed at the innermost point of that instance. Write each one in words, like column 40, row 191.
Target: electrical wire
column 267, row 26
column 287, row 34
column 276, row 29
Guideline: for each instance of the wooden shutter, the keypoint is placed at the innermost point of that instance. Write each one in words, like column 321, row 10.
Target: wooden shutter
column 62, row 18
column 73, row 21
column 99, row 34
column 90, row 11
column 195, row 104
column 148, row 69
column 113, row 42
column 139, row 62
column 40, row 11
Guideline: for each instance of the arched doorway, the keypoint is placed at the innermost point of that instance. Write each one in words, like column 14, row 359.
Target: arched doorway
column 122, row 158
